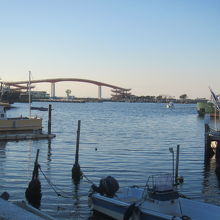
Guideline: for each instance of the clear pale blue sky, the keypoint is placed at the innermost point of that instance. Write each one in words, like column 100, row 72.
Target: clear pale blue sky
column 152, row 46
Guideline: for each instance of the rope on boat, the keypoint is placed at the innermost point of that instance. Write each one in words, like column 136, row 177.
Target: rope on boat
column 56, row 188
column 53, row 186
column 88, row 180
column 183, row 196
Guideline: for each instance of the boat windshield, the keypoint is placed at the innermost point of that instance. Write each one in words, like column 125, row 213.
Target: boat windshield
column 160, row 182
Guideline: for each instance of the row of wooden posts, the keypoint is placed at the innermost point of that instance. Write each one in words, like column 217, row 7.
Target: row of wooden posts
column 33, row 191
column 76, row 171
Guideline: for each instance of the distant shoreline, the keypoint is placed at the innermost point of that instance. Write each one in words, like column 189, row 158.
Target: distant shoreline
column 133, row 100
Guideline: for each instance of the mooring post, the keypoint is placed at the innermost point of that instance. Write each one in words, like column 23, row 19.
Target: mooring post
column 49, row 119
column 177, row 163
column 217, row 151
column 172, row 152
column 208, row 150
column 217, row 158
column 49, row 150
column 36, row 166
column 76, row 172
column 77, row 143
column 33, row 192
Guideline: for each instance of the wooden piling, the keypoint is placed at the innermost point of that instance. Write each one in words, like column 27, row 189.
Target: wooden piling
column 177, row 163
column 77, row 143
column 36, row 166
column 206, row 139
column 208, row 150
column 217, row 158
column 49, row 151
column 49, row 119
column 76, row 171
column 33, row 192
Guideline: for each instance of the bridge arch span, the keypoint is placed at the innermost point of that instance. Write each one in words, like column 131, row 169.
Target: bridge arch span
column 56, row 80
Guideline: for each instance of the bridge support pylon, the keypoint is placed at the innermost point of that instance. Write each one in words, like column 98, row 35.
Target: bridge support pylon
column 52, row 92
column 99, row 92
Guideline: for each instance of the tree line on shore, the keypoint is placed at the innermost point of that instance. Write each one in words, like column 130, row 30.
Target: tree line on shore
column 161, row 98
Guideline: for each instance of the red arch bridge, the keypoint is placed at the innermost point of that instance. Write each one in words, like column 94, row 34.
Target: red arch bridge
column 24, row 85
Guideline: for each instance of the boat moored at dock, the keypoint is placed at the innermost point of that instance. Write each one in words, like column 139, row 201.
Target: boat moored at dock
column 205, row 108
column 159, row 199
column 21, row 123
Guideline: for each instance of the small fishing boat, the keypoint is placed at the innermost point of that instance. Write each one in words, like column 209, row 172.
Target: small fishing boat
column 39, row 108
column 170, row 105
column 203, row 108
column 158, row 200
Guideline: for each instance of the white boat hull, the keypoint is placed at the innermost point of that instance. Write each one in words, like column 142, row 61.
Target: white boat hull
column 150, row 209
column 110, row 207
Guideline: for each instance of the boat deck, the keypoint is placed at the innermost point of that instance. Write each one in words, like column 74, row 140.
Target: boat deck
column 129, row 199
column 8, row 210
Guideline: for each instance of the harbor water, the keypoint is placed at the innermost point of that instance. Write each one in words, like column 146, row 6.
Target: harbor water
column 128, row 141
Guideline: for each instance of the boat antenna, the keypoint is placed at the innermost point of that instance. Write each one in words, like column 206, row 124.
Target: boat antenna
column 29, row 90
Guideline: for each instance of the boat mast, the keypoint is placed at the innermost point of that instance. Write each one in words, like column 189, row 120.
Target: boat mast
column 29, row 90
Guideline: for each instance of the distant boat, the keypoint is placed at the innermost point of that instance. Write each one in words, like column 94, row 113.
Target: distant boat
column 39, row 108
column 170, row 105
column 205, row 108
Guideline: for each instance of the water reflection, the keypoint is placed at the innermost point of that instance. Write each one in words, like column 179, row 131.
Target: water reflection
column 2, row 159
column 211, row 181
column 99, row 216
column 2, row 149
column 49, row 154
column 76, row 204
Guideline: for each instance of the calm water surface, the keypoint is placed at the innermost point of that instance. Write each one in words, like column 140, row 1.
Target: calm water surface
column 128, row 141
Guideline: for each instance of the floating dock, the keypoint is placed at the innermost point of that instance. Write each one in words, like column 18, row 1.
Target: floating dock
column 25, row 136
column 27, row 129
